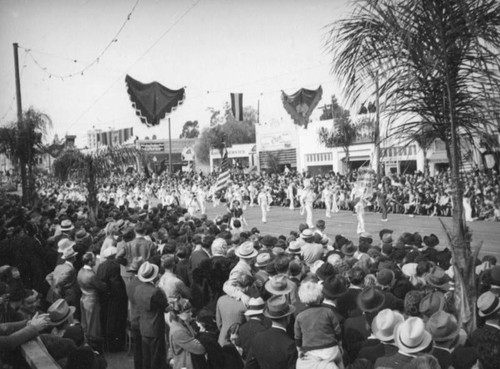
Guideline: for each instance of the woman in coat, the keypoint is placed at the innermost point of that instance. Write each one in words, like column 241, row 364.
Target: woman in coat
column 89, row 302
column 182, row 336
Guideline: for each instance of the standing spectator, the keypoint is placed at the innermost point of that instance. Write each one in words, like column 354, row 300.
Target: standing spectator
column 63, row 282
column 89, row 302
column 113, row 301
column 139, row 246
column 254, row 324
column 182, row 336
column 134, row 313
column 151, row 304
column 273, row 348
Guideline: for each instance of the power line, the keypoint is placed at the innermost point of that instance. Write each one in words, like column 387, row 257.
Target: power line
column 74, row 60
column 136, row 61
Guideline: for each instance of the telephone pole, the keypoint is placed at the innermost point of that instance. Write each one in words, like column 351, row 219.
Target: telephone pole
column 22, row 162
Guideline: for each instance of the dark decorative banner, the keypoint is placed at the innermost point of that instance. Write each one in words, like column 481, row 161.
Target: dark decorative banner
column 301, row 104
column 153, row 101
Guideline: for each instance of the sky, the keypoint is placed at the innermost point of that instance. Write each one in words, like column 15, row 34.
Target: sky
column 211, row 47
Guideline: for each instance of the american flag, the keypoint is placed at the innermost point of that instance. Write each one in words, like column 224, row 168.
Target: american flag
column 224, row 175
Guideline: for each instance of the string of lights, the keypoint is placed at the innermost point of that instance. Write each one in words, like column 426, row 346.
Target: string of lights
column 94, row 62
column 167, row 31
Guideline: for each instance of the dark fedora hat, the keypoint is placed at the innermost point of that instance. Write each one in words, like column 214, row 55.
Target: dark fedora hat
column 370, row 299
column 334, row 286
column 277, row 307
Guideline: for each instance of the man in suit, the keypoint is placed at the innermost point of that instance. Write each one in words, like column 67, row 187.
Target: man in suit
column 134, row 313
column 139, row 246
column 273, row 348
column 444, row 330
column 151, row 303
column 381, row 342
column 63, row 280
column 201, row 253
column 255, row 323
column 411, row 339
column 347, row 303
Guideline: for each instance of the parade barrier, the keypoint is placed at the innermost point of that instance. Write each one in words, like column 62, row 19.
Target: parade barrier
column 37, row 356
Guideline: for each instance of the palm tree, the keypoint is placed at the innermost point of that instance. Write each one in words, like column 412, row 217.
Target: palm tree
column 22, row 142
column 437, row 66
column 90, row 168
column 343, row 133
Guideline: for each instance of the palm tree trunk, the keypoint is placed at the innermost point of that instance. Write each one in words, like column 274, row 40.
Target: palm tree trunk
column 462, row 253
column 92, row 194
column 24, row 182
column 347, row 161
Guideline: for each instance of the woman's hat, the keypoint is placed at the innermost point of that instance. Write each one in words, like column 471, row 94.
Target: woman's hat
column 384, row 323
column 60, row 311
column 246, row 250
column 431, row 241
column 64, row 244
column 438, row 278
column 488, row 303
column 385, row 277
column 147, row 272
column 277, row 307
column 255, row 306
column 181, row 305
column 411, row 336
column 334, row 286
column 325, row 270
column 268, row 241
column 278, row 285
column 263, row 260
column 66, row 225
column 442, row 326
column 370, row 299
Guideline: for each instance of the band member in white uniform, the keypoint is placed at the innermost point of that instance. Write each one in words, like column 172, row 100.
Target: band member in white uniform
column 263, row 201
column 308, row 198
column 290, row 194
column 327, row 198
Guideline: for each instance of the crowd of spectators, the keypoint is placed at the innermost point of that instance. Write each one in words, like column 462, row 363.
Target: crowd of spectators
column 185, row 291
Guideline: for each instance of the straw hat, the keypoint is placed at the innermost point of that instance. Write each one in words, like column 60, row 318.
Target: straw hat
column 384, row 323
column 255, row 306
column 246, row 250
column 411, row 336
column 147, row 272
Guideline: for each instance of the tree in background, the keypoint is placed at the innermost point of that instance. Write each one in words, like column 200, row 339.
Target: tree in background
column 22, row 141
column 435, row 63
column 190, row 130
column 94, row 167
column 225, row 131
column 343, row 132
